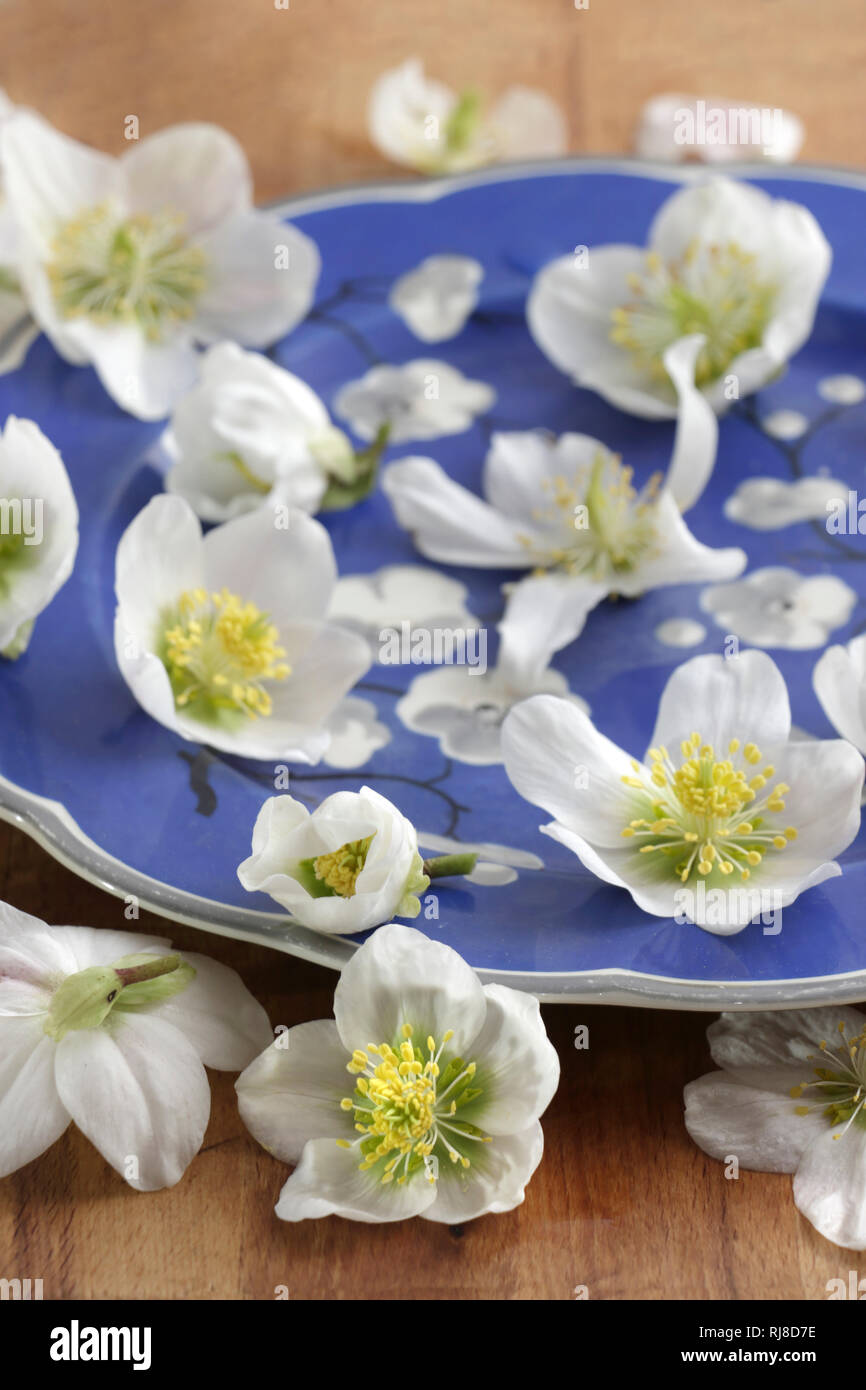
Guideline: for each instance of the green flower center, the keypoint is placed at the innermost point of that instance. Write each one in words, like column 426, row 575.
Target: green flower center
column 712, row 289
column 406, row 1108
column 607, row 526
column 708, row 816
column 841, row 1084
column 218, row 650
column 139, row 270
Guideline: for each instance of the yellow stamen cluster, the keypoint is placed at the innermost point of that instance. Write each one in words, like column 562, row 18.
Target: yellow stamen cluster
column 841, row 1083
column 708, row 814
column 139, row 270
column 716, row 290
column 340, row 868
column 218, row 649
column 606, row 525
column 405, row 1106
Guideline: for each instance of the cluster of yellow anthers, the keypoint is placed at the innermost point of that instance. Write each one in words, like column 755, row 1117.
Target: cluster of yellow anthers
column 841, row 1085
column 712, row 289
column 340, row 868
column 140, row 269
column 219, row 649
column 708, row 812
column 399, row 1109
column 611, row 522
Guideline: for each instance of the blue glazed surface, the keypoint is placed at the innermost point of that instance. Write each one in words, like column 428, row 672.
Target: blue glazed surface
column 71, row 731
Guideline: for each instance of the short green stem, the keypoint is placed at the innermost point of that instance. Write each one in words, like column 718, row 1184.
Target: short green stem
column 449, row 865
column 149, row 970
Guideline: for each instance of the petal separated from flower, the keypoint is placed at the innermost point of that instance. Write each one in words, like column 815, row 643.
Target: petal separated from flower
column 839, row 679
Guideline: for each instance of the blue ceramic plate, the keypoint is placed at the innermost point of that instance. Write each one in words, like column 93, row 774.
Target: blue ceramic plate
column 131, row 807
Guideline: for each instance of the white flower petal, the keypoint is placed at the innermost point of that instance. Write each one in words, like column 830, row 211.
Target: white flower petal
column 328, row 1182
column 159, row 557
column 422, row 399
column 448, row 522
column 697, row 433
column 49, row 178
column 400, row 976
column 778, row 1037
column 527, row 124
column 263, row 279
column 139, row 1093
column 839, row 679
column 743, row 697
column 517, row 1064
column 681, row 558
column 194, row 169
column 32, row 1115
column 495, row 1182
column 218, row 1015
column 437, row 297
column 407, row 115
column 830, row 1187
column 288, row 571
column 292, row 1092
column 32, row 951
column 729, row 1118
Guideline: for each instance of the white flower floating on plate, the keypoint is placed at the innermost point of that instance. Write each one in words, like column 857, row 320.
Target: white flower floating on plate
column 248, row 434
column 422, row 399
column 568, row 506
column 350, row 864
column 790, row 1099
column 422, row 124
column 839, row 679
column 128, row 263
column 723, row 259
column 779, row 607
column 464, row 706
column 113, row 1031
column 717, row 825
column 436, row 298
column 38, row 530
column 421, row 1098
column 769, row 504
column 223, row 638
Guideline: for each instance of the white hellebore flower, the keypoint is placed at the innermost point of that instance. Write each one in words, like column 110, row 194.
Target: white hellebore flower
column 38, row 530
column 249, row 433
column 421, row 1098
column 422, row 124
column 128, row 263
column 422, row 399
column 770, row 504
column 567, row 506
column 714, row 827
column 790, row 1099
column 113, row 1031
column 779, row 607
column 839, row 679
column 724, row 260
column 437, row 297
column 351, row 864
column 223, row 639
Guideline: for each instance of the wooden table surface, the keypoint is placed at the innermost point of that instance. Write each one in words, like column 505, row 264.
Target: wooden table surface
column 623, row 1203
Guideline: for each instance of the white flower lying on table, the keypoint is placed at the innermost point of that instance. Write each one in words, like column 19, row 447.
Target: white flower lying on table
column 437, row 297
column 839, row 679
column 111, row 1030
column 714, row 827
column 725, row 260
column 568, row 506
column 421, row 1098
column 351, row 864
column 128, row 263
column 223, row 638
column 421, row 123
column 790, row 1099
column 38, row 530
column 248, row 434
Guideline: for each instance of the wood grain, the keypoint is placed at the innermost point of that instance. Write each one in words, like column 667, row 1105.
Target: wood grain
column 623, row 1203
